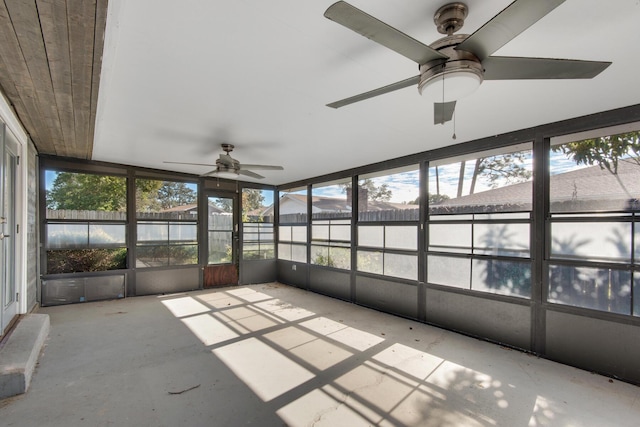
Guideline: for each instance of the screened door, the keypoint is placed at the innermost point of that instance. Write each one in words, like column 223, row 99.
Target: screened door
column 222, row 241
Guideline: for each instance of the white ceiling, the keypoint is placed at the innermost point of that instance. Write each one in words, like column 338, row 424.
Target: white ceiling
column 181, row 77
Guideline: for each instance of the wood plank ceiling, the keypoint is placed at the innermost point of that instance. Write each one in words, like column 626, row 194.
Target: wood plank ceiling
column 50, row 62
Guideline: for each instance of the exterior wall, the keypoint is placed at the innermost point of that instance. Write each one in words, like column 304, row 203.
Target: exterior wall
column 31, row 228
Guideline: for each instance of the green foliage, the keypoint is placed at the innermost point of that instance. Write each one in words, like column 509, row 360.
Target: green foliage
column 252, row 200
column 321, row 259
column 606, row 152
column 226, row 205
column 338, row 257
column 434, row 199
column 147, row 195
column 380, row 193
column 83, row 260
column 77, row 191
column 172, row 194
column 507, row 168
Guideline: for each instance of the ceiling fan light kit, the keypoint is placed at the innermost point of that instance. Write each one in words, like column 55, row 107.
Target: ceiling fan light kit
column 456, row 65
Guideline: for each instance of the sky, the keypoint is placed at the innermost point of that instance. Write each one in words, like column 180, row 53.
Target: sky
column 404, row 185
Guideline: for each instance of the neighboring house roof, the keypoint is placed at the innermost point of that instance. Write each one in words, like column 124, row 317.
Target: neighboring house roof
column 181, row 208
column 297, row 203
column 586, row 185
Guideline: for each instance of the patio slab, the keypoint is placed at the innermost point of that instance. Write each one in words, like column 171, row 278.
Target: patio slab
column 275, row 355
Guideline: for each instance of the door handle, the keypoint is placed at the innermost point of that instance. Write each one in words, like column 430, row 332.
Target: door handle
column 2, row 236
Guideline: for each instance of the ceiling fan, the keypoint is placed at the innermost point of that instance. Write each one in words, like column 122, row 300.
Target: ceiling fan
column 226, row 163
column 455, row 65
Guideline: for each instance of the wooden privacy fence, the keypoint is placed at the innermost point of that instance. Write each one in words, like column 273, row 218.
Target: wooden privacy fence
column 69, row 214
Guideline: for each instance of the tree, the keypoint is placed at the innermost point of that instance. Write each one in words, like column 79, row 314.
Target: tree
column 435, row 199
column 251, row 200
column 147, row 195
column 380, row 193
column 172, row 194
column 77, row 191
column 508, row 168
column 225, row 204
column 607, row 152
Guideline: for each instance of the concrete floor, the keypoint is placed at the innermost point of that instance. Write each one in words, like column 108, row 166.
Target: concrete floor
column 273, row 355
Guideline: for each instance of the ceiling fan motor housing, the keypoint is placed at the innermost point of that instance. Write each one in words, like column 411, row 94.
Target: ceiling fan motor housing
column 459, row 62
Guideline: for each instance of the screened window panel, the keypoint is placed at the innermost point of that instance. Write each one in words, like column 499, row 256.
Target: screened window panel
column 605, row 241
column 320, row 232
column 257, row 205
column 82, row 260
column 183, row 254
column 76, row 196
column 153, row 232
column 501, row 239
column 370, row 262
column 299, row 253
column 183, row 232
column 107, row 234
column 401, row 237
column 454, row 238
column 371, row 236
column 502, row 277
column 293, row 206
column 284, row 251
column 67, row 235
column 331, row 200
column 166, row 200
column 400, row 265
column 594, row 288
column 152, row 256
column 299, row 233
column 340, row 257
column 340, row 232
column 284, row 233
column 449, row 271
column 319, row 255
column 608, row 183
column 464, row 184
column 389, row 195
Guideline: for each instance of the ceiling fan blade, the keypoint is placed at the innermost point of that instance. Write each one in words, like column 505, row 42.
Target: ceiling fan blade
column 380, row 91
column 516, row 68
column 443, row 112
column 194, row 164
column 249, row 173
column 374, row 29
column 211, row 172
column 260, row 167
column 506, row 25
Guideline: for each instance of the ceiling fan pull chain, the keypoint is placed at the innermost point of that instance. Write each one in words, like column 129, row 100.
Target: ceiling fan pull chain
column 454, row 125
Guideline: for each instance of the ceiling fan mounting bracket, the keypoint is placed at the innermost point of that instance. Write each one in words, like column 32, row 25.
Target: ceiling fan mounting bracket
column 227, row 148
column 450, row 17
